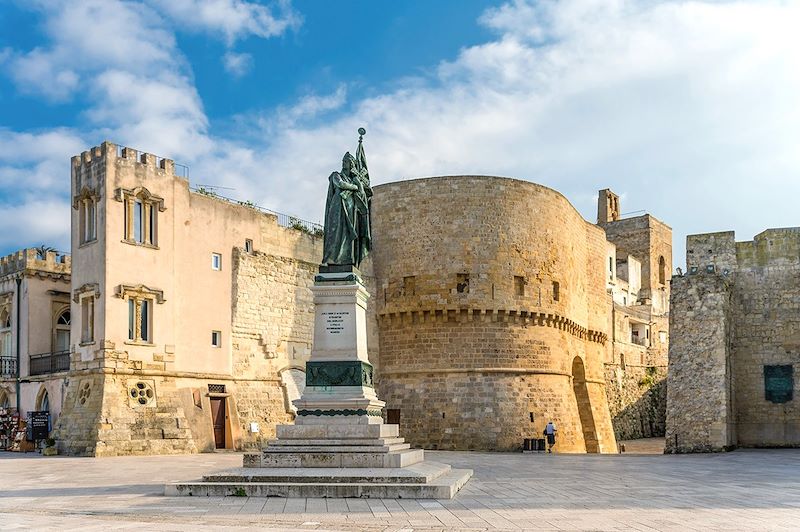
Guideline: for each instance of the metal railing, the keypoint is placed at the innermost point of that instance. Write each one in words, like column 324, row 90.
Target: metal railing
column 45, row 363
column 181, row 170
column 8, row 367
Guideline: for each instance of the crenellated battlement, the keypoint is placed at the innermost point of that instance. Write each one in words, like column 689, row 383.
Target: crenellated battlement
column 30, row 261
column 90, row 163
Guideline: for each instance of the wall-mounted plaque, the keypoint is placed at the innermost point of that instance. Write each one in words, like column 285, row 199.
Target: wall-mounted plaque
column 778, row 383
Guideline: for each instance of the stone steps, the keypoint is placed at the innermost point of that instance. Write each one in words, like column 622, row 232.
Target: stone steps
column 363, row 441
column 332, row 457
column 444, row 486
column 322, row 447
column 421, row 473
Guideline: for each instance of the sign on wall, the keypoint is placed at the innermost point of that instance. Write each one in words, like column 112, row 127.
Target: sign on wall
column 778, row 383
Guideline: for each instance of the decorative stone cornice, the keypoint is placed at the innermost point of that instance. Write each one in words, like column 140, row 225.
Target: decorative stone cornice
column 142, row 193
column 92, row 289
column 85, row 193
column 139, row 290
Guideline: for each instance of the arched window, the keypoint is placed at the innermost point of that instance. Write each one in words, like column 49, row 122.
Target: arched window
column 86, row 205
column 5, row 332
column 61, row 338
column 662, row 270
column 4, row 400
column 43, row 402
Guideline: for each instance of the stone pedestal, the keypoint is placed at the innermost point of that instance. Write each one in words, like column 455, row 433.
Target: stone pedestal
column 339, row 445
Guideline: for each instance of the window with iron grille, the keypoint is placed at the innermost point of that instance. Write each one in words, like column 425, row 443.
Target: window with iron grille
column 216, row 388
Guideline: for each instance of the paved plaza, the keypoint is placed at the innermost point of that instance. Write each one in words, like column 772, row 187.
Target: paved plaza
column 742, row 490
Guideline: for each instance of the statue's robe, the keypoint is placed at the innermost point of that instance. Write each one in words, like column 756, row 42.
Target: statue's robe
column 340, row 221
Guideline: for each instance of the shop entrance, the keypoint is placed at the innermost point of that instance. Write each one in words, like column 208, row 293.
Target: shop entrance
column 218, row 420
column 584, row 406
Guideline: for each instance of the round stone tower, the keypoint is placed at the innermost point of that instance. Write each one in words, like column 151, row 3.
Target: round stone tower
column 493, row 314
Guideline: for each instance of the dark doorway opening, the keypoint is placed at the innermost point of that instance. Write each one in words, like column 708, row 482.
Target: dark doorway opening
column 393, row 416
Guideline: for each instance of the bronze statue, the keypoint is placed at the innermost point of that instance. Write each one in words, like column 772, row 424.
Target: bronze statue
column 348, row 237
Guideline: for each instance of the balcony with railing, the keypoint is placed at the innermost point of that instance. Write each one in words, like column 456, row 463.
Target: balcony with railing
column 8, row 367
column 45, row 363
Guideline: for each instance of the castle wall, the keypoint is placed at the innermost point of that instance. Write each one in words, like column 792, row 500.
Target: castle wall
column 743, row 392
column 700, row 407
column 767, row 333
column 483, row 307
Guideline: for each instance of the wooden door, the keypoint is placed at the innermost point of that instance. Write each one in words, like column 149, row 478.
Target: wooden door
column 218, row 419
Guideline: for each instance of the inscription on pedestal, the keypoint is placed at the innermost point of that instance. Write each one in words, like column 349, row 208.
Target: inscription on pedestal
column 334, row 321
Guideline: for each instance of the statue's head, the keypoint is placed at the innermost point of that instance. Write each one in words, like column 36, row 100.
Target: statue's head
column 348, row 163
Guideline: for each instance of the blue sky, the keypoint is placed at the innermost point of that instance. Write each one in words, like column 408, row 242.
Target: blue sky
column 687, row 109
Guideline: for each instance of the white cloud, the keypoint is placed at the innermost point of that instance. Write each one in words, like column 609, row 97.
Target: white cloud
column 236, row 64
column 232, row 19
column 34, row 222
column 120, row 33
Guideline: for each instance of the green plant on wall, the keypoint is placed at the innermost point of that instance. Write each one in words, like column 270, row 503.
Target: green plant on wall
column 650, row 377
column 206, row 192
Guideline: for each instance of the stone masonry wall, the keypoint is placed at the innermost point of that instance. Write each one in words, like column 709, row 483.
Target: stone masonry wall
column 737, row 316
column 699, row 389
column 273, row 327
column 637, row 400
column 485, row 308
column 767, row 333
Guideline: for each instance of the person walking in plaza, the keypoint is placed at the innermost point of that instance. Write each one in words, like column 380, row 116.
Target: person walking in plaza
column 550, row 433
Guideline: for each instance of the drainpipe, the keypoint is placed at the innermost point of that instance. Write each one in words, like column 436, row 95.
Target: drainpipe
column 19, row 364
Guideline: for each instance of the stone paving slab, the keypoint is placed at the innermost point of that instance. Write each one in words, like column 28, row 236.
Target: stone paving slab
column 743, row 490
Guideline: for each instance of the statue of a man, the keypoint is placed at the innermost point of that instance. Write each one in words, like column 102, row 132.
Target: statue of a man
column 347, row 218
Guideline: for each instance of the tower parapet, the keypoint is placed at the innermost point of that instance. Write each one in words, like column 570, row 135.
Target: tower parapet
column 90, row 167
column 30, row 260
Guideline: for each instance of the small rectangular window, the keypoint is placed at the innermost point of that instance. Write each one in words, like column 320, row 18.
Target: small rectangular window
column 462, row 283
column 519, row 285
column 216, row 261
column 145, row 320
column 140, row 320
column 131, row 319
column 248, row 245
column 91, row 220
column 216, row 338
column 87, row 220
column 87, row 319
column 152, row 225
column 138, row 219
column 556, row 291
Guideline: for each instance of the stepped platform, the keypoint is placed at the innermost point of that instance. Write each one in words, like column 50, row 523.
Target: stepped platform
column 366, row 461
column 425, row 480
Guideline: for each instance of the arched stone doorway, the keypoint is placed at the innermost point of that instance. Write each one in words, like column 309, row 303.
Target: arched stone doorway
column 584, row 406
